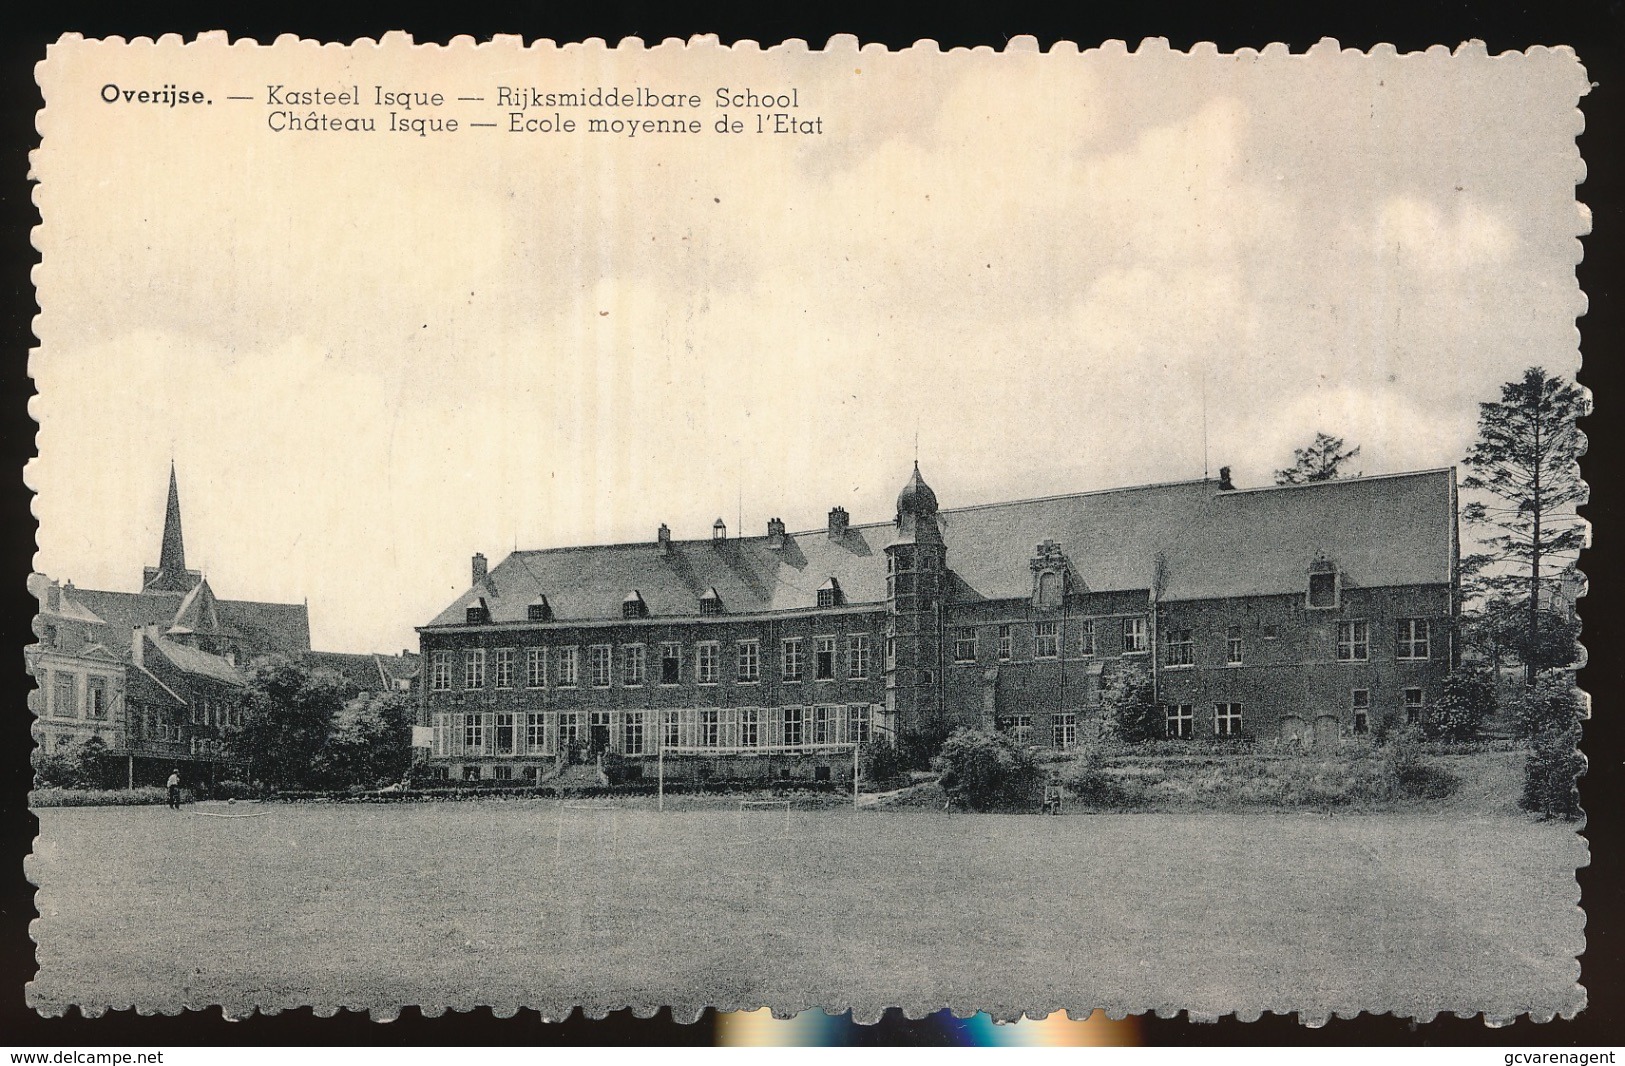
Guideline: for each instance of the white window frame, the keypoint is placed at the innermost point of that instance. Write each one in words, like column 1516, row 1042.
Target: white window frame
column 601, row 665
column 1086, row 637
column 1134, row 636
column 1357, row 648
column 474, row 668
column 440, row 671
column 790, row 660
column 794, row 722
column 569, row 667
column 710, row 727
column 1047, row 640
column 1234, row 647
column 535, row 732
column 1007, row 642
column 1227, row 719
column 474, row 734
column 857, row 656
column 965, row 644
column 819, row 646
column 671, row 728
column 1181, row 648
column 707, row 662
column 1179, row 721
column 1415, row 640
column 497, row 725
column 1019, row 726
column 748, row 661
column 503, row 668
column 891, row 653
column 632, row 732
column 1064, row 730
column 568, row 729
column 859, row 722
column 536, row 667
column 750, row 727
column 634, row 665
column 1413, row 710
column 671, row 651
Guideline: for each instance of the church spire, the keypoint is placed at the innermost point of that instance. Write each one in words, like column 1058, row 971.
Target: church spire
column 172, row 555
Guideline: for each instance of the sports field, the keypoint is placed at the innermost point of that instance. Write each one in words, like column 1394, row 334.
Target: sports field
column 519, row 903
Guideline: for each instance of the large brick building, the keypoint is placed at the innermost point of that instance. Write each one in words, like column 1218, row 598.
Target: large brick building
column 1303, row 611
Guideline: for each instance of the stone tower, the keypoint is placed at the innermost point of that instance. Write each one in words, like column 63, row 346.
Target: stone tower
column 916, row 584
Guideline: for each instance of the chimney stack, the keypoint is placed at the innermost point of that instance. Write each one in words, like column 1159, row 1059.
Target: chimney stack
column 1225, row 484
column 663, row 539
column 478, row 568
column 775, row 533
column 719, row 530
column 838, row 520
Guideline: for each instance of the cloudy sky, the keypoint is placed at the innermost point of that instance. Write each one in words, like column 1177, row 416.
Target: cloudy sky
column 372, row 356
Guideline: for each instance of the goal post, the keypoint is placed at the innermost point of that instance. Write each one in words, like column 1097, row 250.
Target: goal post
column 760, row 751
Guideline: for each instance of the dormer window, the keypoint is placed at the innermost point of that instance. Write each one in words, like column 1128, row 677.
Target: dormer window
column 633, row 606
column 710, row 603
column 478, row 613
column 830, row 594
column 1325, row 584
column 539, row 610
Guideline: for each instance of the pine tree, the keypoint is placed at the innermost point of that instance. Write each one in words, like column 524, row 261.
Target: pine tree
column 1322, row 461
column 1525, row 461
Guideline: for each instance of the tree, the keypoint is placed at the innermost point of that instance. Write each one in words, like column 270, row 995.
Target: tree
column 288, row 712
column 1322, row 461
column 1525, row 462
column 1128, row 703
column 1466, row 700
column 369, row 743
column 987, row 771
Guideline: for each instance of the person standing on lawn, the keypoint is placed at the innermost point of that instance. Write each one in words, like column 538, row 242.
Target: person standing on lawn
column 174, row 790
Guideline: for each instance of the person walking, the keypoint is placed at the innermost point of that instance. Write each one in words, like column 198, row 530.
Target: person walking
column 175, row 790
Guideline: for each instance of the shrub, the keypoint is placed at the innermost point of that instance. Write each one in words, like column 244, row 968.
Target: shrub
column 988, row 771
column 1551, row 705
column 1413, row 776
column 119, row 797
column 1090, row 784
column 917, row 748
column 1549, row 776
column 879, row 762
column 1466, row 700
column 1127, row 701
column 83, row 766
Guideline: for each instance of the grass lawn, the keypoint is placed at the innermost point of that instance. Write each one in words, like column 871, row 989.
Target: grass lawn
column 503, row 903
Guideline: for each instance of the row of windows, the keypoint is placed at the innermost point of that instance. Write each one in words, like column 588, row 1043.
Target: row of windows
column 1353, row 641
column 64, row 701
column 631, row 732
column 1180, row 718
column 564, row 664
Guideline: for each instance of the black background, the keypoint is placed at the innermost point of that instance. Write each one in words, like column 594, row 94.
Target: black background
column 1593, row 29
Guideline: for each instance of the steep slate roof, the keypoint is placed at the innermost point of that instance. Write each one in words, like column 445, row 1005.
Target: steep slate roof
column 278, row 627
column 1391, row 530
column 190, row 660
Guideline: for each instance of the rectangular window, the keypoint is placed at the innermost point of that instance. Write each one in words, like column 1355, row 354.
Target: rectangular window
column 671, row 664
column 634, row 664
column 502, row 773
column 671, row 729
column 504, row 734
column 1133, row 636
column 1413, row 638
column 1413, row 706
column 857, row 656
column 790, row 659
column 710, row 727
column 1181, row 720
column 1353, row 642
column 567, row 667
column 825, row 662
column 1006, row 642
column 1227, row 719
column 857, row 723
column 706, row 662
column 632, row 733
column 471, row 773
column 1019, row 726
column 569, row 729
column 1181, row 648
column 1047, row 640
column 598, row 659
column 891, row 653
column 1086, row 637
column 474, row 734
column 1232, row 647
column 823, row 725
column 965, row 645
column 504, row 667
column 474, row 668
column 749, row 665
column 440, row 671
column 1361, row 700
column 750, row 728
column 536, row 732
column 1065, row 728
column 792, row 725
column 535, row 667
column 96, row 698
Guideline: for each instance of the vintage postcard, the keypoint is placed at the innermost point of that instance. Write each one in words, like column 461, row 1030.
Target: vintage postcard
column 571, row 525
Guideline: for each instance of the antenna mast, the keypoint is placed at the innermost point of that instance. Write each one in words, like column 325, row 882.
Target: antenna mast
column 1204, row 419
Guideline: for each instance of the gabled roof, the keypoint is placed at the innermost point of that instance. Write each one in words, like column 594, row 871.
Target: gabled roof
column 1206, row 542
column 277, row 627
column 194, row 661
column 141, row 686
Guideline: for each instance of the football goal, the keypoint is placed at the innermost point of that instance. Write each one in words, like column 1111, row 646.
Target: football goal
column 837, row 757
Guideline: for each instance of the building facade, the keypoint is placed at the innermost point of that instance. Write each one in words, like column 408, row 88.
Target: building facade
column 1309, row 612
